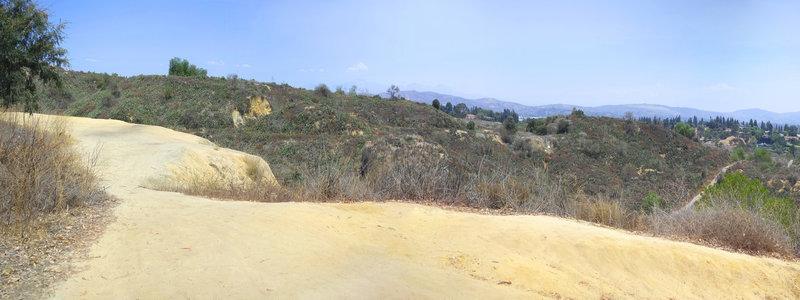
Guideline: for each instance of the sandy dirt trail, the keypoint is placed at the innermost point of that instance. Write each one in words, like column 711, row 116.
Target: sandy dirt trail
column 168, row 245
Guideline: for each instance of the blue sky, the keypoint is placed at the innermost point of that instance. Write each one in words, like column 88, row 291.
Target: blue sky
column 716, row 55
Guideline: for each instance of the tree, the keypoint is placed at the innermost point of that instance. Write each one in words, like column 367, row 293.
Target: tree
column 182, row 67
column 29, row 50
column 393, row 92
column 509, row 130
column 448, row 107
column 460, row 110
column 684, row 129
column 436, row 104
column 322, row 90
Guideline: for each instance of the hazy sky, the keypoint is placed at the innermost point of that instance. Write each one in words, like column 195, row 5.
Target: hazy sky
column 717, row 55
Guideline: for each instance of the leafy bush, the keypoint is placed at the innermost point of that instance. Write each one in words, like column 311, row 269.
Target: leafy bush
column 749, row 194
column 537, row 126
column 762, row 155
column 471, row 125
column 652, row 203
column 738, row 154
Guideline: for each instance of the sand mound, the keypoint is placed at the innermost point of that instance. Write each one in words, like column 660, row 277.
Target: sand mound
column 168, row 245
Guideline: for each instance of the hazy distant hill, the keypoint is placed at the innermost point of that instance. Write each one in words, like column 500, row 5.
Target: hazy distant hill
column 638, row 110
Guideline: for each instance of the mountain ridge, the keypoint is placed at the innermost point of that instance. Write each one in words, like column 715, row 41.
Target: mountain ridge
column 616, row 110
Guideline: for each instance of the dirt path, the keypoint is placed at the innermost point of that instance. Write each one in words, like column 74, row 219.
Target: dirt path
column 168, row 245
column 713, row 181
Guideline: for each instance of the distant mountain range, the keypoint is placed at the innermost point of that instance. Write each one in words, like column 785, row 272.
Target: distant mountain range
column 617, row 111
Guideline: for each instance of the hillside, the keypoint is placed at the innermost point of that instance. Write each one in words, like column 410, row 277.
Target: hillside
column 332, row 145
column 167, row 245
column 616, row 111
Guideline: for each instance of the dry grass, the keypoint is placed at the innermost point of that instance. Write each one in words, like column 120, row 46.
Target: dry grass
column 425, row 178
column 724, row 225
column 51, row 205
column 40, row 173
column 609, row 213
column 253, row 188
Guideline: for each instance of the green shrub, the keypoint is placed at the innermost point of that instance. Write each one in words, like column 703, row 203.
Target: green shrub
column 167, row 93
column 652, row 203
column 471, row 125
column 762, row 155
column 738, row 154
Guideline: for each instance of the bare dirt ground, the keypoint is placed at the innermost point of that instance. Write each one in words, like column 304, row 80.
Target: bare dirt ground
column 169, row 245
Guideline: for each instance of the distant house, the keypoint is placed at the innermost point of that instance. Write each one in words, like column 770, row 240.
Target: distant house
column 790, row 138
column 470, row 117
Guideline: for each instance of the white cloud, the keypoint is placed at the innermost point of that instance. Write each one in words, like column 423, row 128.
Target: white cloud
column 216, row 63
column 91, row 60
column 243, row 65
column 359, row 67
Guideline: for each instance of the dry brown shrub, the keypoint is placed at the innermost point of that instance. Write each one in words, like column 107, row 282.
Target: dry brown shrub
column 40, row 172
column 609, row 213
column 728, row 226
column 218, row 187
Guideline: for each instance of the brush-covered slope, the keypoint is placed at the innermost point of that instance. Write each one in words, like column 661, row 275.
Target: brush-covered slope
column 169, row 245
column 338, row 145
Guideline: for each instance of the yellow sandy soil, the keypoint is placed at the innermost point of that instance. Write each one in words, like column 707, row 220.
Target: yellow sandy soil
column 168, row 245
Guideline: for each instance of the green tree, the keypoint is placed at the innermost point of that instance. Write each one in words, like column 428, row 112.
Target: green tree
column 684, row 129
column 29, row 50
column 460, row 110
column 509, row 130
column 792, row 130
column 322, row 90
column 393, row 92
column 436, row 104
column 182, row 67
